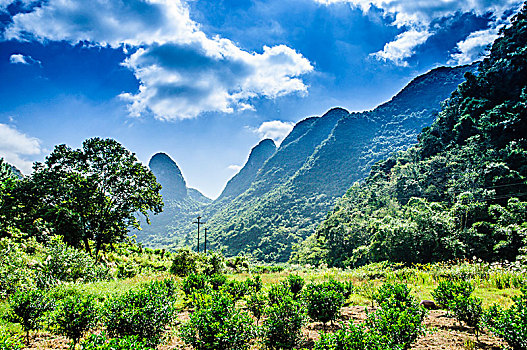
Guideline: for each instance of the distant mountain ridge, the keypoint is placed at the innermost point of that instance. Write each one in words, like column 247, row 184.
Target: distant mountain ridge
column 281, row 195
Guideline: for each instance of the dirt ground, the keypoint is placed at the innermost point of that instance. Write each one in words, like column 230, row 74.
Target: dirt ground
column 443, row 332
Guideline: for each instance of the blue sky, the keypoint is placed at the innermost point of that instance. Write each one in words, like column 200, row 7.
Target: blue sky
column 204, row 81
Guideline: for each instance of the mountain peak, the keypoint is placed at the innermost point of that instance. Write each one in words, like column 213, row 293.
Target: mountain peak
column 169, row 176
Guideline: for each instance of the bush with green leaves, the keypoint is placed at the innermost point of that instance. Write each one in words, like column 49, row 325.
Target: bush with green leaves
column 213, row 263
column 282, row 329
column 68, row 264
column 237, row 289
column 323, row 301
column 74, row 316
column 277, row 292
column 510, row 324
column 14, row 271
column 216, row 281
column 448, row 291
column 351, row 337
column 28, row 308
column 9, row 341
column 254, row 284
column 103, row 342
column 143, row 313
column 399, row 318
column 195, row 283
column 295, row 284
column 218, row 325
column 184, row 262
column 255, row 303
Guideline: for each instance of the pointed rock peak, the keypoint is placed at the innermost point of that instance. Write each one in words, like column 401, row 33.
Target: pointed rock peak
column 265, row 146
column 336, row 111
column 169, row 176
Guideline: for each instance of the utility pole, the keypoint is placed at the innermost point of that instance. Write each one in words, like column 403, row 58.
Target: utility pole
column 199, row 223
column 205, row 240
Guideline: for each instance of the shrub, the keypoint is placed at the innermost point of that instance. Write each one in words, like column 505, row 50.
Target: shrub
column 323, row 301
column 448, row 291
column 236, row 289
column 399, row 319
column 254, row 284
column 102, row 342
column 282, row 329
column 468, row 310
column 184, row 262
column 143, row 313
column 74, row 316
column 510, row 324
column 218, row 325
column 214, row 264
column 350, row 337
column 9, row 341
column 216, row 281
column 276, row 293
column 256, row 304
column 28, row 308
column 295, row 284
column 194, row 283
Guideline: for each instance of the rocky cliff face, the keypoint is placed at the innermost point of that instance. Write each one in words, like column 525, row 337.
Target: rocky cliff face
column 169, row 176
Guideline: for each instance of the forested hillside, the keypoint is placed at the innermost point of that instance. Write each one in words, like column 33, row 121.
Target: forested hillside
column 460, row 192
column 317, row 162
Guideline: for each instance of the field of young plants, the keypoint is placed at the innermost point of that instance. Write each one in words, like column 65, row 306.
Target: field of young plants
column 187, row 300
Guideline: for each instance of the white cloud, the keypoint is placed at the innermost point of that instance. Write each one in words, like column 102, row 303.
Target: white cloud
column 14, row 146
column 415, row 17
column 18, row 58
column 234, row 167
column 402, row 47
column 474, row 46
column 182, row 72
column 276, row 130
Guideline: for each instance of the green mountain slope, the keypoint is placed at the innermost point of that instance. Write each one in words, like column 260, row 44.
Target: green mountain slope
column 460, row 192
column 319, row 160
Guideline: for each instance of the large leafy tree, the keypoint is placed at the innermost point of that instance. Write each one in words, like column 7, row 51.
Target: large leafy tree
column 91, row 194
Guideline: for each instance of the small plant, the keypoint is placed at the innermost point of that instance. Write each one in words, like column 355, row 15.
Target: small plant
column 254, row 284
column 368, row 290
column 282, row 329
column 236, row 289
column 102, row 342
column 448, row 291
column 9, row 341
column 28, row 308
column 216, row 281
column 185, row 262
column 256, row 304
column 395, row 295
column 214, row 264
column 74, row 316
column 276, row 293
column 194, row 283
column 295, row 284
column 218, row 325
column 468, row 310
column 143, row 313
column 350, row 337
column 510, row 324
column 323, row 302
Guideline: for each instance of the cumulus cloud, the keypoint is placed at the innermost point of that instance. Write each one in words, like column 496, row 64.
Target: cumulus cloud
column 474, row 46
column 18, row 58
column 402, row 47
column 182, row 72
column 276, row 130
column 15, row 146
column 415, row 18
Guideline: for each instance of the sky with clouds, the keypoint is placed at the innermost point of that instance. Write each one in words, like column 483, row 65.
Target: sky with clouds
column 205, row 80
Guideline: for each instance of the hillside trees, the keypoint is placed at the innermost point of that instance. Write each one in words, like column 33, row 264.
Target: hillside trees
column 88, row 194
column 461, row 191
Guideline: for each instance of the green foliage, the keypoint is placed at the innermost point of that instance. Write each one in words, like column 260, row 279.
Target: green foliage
column 468, row 310
column 399, row 318
column 510, row 324
column 256, row 302
column 73, row 316
column 295, row 284
column 217, row 281
column 28, row 308
column 14, row 272
column 323, row 301
column 254, row 284
column 143, row 313
column 351, row 337
column 277, row 292
column 282, row 329
column 237, row 289
column 447, row 292
column 218, row 325
column 9, row 341
column 195, row 283
column 103, row 342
